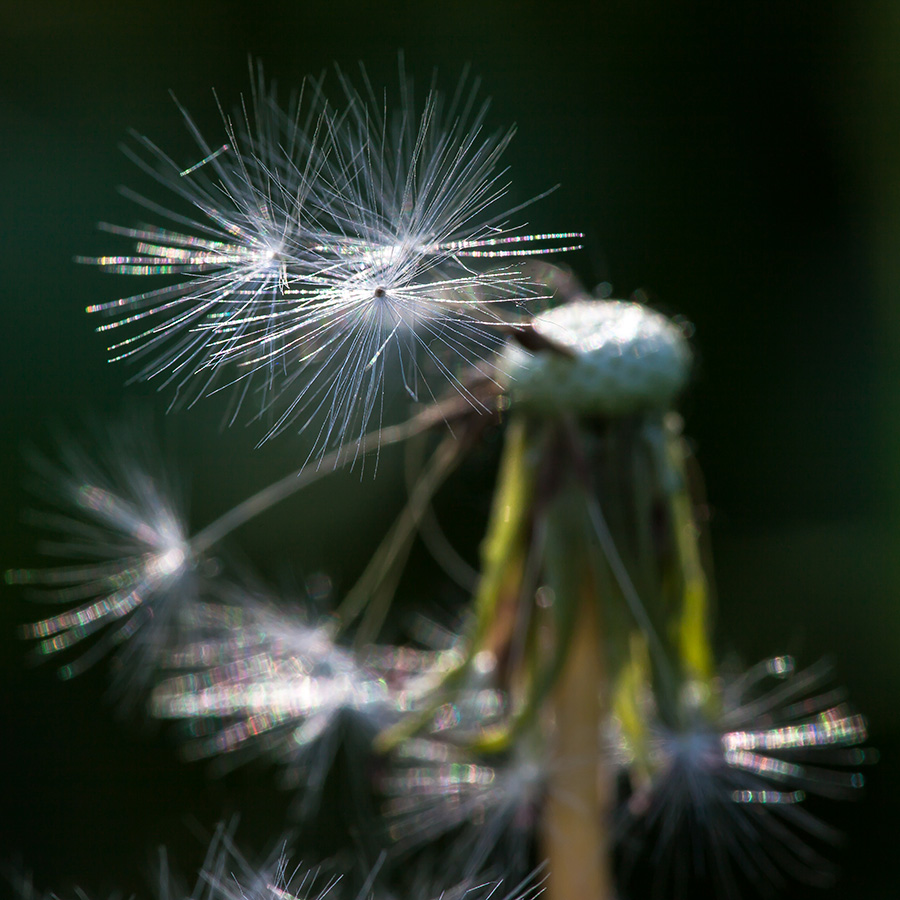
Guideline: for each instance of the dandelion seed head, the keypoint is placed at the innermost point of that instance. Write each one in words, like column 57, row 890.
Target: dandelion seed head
column 623, row 358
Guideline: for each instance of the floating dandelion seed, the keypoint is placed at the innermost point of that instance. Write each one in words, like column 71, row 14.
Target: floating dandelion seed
column 244, row 239
column 325, row 251
column 414, row 199
column 725, row 800
column 137, row 565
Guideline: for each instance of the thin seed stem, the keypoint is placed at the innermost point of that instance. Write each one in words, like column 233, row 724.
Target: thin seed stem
column 374, row 589
column 442, row 412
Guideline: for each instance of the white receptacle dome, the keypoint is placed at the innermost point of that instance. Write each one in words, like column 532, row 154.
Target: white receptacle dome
column 627, row 359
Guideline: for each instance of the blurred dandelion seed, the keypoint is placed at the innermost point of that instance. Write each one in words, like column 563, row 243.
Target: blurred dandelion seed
column 263, row 681
column 725, row 802
column 138, row 569
column 487, row 806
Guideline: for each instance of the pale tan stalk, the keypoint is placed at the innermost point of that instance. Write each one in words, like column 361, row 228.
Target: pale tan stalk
column 575, row 828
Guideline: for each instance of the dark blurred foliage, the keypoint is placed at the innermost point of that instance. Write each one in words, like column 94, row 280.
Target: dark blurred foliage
column 738, row 163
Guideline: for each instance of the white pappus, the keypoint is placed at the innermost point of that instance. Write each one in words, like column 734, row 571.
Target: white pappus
column 325, row 253
column 135, row 575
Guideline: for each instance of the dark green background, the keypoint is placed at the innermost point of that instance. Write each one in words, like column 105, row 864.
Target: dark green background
column 738, row 161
